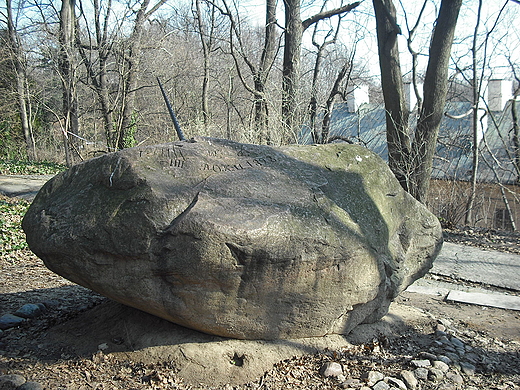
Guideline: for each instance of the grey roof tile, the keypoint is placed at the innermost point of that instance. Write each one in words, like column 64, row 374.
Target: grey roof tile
column 453, row 157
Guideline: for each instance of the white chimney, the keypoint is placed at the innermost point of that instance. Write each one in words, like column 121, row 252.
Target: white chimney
column 409, row 94
column 499, row 92
column 357, row 97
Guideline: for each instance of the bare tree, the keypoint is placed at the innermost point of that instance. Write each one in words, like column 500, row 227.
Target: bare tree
column 260, row 70
column 66, row 70
column 207, row 40
column 132, row 57
column 479, row 110
column 476, row 87
column 95, row 54
column 345, row 72
column 294, row 29
column 262, row 74
column 415, row 55
column 22, row 89
column 412, row 162
column 515, row 130
column 330, row 38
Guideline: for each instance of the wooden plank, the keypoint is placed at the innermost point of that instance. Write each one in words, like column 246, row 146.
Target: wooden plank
column 502, row 301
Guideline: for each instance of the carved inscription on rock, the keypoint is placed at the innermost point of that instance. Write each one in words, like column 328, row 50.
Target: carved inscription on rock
column 176, row 158
column 253, row 163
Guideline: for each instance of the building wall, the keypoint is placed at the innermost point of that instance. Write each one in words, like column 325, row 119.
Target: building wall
column 448, row 199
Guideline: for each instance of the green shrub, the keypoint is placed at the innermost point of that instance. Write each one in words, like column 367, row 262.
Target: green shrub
column 14, row 167
column 12, row 237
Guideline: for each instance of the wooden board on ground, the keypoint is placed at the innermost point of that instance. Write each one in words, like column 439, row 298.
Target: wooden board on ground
column 502, row 301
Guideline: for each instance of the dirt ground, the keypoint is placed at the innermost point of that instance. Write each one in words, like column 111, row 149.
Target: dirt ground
column 492, row 322
column 83, row 341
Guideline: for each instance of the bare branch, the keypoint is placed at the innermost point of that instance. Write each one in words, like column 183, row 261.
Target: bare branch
column 155, row 8
column 328, row 14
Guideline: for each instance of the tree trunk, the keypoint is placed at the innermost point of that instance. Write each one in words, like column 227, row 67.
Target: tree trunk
column 412, row 164
column 131, row 79
column 290, row 68
column 21, row 83
column 97, row 74
column 25, row 118
column 474, row 147
column 206, row 42
column 125, row 132
column 260, row 78
column 397, row 131
column 435, row 89
column 313, row 102
column 294, row 28
column 516, row 137
column 319, row 136
column 70, row 104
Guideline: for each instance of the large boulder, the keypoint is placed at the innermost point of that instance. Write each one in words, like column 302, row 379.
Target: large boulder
column 237, row 240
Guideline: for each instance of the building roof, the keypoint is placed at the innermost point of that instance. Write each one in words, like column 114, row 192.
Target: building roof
column 498, row 148
column 453, row 157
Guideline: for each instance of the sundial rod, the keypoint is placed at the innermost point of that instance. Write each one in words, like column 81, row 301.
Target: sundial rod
column 178, row 129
